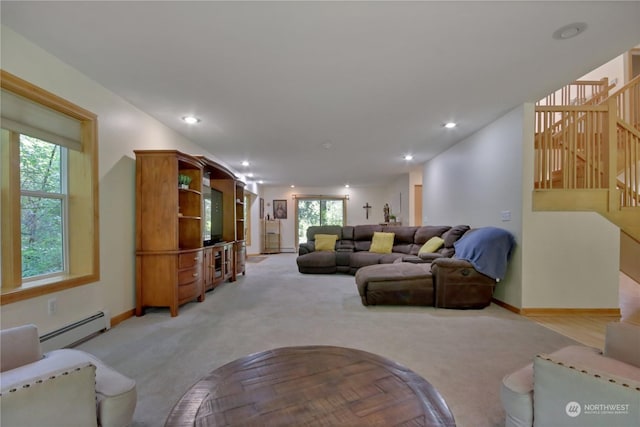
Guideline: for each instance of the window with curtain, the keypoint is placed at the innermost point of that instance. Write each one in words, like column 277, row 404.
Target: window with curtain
column 49, row 204
column 318, row 211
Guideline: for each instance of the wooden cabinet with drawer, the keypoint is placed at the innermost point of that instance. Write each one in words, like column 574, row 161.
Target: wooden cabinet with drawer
column 168, row 230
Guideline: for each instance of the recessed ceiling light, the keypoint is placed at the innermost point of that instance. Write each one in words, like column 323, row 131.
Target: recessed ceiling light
column 346, row 186
column 191, row 120
column 245, row 163
column 408, row 157
column 250, row 175
column 293, row 186
column 569, row 31
column 260, row 182
column 450, row 125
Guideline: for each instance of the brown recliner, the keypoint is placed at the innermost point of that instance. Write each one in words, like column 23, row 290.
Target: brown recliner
column 458, row 285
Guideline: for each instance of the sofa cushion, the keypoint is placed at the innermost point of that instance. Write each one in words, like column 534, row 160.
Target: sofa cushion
column 326, row 242
column 382, row 243
column 347, row 232
column 319, row 262
column 363, row 258
column 323, row 229
column 432, row 245
column 428, row 231
column 365, row 232
column 453, row 234
column 390, row 258
column 404, row 234
column 402, row 248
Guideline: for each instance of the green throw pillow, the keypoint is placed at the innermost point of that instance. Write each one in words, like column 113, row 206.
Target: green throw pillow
column 326, row 242
column 382, row 243
column 432, row 245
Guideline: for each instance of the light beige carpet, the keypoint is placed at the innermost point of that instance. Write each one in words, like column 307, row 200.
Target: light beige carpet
column 464, row 354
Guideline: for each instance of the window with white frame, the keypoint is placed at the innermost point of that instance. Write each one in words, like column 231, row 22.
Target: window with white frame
column 43, row 207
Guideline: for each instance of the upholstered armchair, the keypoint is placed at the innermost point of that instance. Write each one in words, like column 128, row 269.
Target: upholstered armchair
column 579, row 385
column 60, row 388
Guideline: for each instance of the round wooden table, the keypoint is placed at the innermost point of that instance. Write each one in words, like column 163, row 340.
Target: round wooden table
column 314, row 385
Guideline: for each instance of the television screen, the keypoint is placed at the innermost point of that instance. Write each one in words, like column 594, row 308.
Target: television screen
column 212, row 216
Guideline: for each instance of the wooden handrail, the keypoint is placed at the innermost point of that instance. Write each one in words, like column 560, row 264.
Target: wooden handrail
column 579, row 92
column 627, row 100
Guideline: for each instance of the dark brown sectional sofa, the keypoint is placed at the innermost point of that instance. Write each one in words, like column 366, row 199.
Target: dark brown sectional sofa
column 352, row 248
column 407, row 278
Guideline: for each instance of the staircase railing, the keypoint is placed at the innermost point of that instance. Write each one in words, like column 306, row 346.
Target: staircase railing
column 628, row 180
column 574, row 156
column 580, row 92
column 593, row 152
column 628, row 102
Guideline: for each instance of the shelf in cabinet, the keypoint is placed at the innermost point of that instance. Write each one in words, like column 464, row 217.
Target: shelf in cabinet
column 189, row 217
column 189, row 190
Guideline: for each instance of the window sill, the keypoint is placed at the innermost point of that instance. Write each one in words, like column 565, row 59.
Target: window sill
column 46, row 286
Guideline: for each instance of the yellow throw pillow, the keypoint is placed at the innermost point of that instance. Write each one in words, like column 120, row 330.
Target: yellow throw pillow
column 432, row 245
column 326, row 242
column 382, row 243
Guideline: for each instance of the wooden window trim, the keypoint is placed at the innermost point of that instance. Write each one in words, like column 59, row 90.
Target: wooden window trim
column 84, row 263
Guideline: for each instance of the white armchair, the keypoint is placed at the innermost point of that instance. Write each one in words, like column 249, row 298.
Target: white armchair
column 63, row 387
column 578, row 385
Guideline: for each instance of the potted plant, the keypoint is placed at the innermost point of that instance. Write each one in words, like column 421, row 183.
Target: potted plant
column 184, row 181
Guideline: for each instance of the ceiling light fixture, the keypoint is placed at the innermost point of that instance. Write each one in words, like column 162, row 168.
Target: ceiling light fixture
column 190, row 120
column 245, row 163
column 293, row 186
column 250, row 175
column 346, row 186
column 569, row 31
column 408, row 157
column 450, row 125
column 260, row 182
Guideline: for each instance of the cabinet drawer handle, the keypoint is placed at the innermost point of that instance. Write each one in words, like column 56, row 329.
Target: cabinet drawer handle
column 195, row 274
column 195, row 259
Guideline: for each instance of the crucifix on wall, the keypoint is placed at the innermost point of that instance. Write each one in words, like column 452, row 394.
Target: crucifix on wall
column 366, row 207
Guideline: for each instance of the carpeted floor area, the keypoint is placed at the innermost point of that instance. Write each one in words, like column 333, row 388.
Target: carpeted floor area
column 464, row 354
column 254, row 259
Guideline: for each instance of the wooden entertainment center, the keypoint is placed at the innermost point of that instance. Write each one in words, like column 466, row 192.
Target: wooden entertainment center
column 173, row 264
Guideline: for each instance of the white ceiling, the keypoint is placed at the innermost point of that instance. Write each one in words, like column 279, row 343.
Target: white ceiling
column 276, row 83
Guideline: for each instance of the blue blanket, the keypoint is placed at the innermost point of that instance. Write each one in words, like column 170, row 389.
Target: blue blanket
column 488, row 249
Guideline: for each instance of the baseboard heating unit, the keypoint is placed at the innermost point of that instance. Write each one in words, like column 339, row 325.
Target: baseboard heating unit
column 76, row 332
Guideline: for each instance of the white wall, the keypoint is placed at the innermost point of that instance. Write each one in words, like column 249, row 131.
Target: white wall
column 122, row 128
column 613, row 70
column 358, row 197
column 570, row 259
column 563, row 259
column 475, row 181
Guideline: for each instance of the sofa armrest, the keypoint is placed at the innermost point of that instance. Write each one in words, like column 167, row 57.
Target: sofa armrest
column 569, row 394
column 306, row 248
column 458, row 285
column 450, row 263
column 66, row 395
column 19, row 346
column 622, row 342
